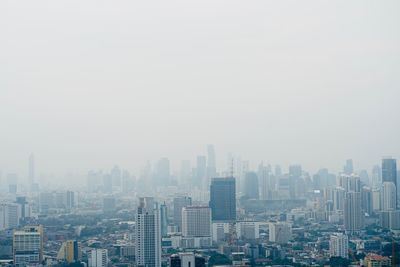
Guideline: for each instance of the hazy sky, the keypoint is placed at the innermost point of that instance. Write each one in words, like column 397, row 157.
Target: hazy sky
column 90, row 84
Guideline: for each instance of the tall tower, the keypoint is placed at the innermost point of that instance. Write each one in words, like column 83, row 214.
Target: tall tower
column 223, row 199
column 196, row 221
column 148, row 233
column 388, row 196
column 211, row 162
column 389, row 172
column 353, row 216
column 251, row 185
column 179, row 203
column 339, row 245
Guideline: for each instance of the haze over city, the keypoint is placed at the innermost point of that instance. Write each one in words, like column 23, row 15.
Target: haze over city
column 93, row 84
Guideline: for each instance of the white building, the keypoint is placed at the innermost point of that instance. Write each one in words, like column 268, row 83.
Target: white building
column 339, row 245
column 196, row 221
column 9, row 215
column 247, row 230
column 388, row 196
column 97, row 258
column 280, row 232
column 148, row 233
column 353, row 215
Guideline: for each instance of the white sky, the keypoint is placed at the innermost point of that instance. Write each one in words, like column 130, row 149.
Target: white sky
column 90, row 84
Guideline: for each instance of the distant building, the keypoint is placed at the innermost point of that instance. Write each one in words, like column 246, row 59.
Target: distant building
column 374, row 260
column 164, row 219
column 388, row 196
column 348, row 167
column 9, row 215
column 223, row 199
column 339, row 245
column 280, row 232
column 196, row 221
column 179, row 203
column 389, row 171
column 28, row 246
column 69, row 251
column 251, row 189
column 353, row 215
column 148, row 233
column 97, row 258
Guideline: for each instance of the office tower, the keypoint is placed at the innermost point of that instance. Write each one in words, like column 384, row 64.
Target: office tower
column 251, row 186
column 376, row 176
column 148, row 233
column 266, row 182
column 162, row 175
column 69, row 251
column 211, row 162
column 350, row 182
column 201, row 171
column 109, row 204
column 280, row 232
column 339, row 245
column 376, row 199
column 389, row 172
column 179, row 203
column 97, row 258
column 69, row 200
column 196, row 221
column 164, row 219
column 9, row 215
column 223, row 199
column 366, row 200
column 46, row 202
column 353, row 215
column 247, row 230
column 28, row 246
column 388, row 196
column 128, row 182
column 348, row 167
column 31, row 170
column 186, row 259
column 116, row 176
column 24, row 207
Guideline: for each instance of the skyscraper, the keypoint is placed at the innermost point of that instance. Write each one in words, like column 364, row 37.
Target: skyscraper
column 251, row 189
column 28, row 246
column 9, row 215
column 164, row 219
column 196, row 221
column 98, row 258
column 339, row 245
column 201, row 171
column 163, row 174
column 69, row 251
column 353, row 215
column 388, row 196
column 389, row 172
column 348, row 168
column 179, row 203
column 148, row 233
column 223, row 199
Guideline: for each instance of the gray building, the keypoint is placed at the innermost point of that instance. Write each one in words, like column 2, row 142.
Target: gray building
column 223, row 199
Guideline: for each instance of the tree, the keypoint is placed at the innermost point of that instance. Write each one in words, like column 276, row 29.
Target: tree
column 339, row 261
column 219, row 259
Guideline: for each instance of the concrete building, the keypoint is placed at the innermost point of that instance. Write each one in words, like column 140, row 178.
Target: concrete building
column 339, row 245
column 223, row 199
column 98, row 258
column 28, row 246
column 280, row 232
column 196, row 221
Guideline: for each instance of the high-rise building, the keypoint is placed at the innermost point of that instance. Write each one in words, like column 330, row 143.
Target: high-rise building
column 280, row 232
column 353, row 215
column 148, row 233
column 69, row 251
column 28, row 246
column 251, row 186
column 348, row 167
column 388, row 196
column 389, row 172
column 163, row 174
column 25, row 208
column 350, row 182
column 339, row 245
column 98, row 258
column 179, row 203
column 196, row 221
column 223, row 199
column 9, row 215
column 366, row 200
column 164, row 219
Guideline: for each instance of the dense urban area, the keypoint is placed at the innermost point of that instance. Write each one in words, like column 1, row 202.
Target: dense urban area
column 201, row 216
